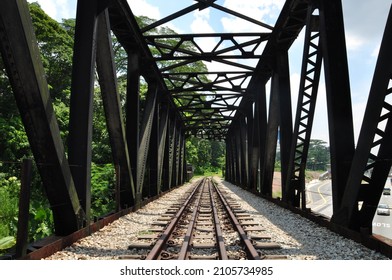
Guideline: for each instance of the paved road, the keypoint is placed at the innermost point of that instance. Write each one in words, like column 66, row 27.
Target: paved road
column 319, row 199
column 382, row 225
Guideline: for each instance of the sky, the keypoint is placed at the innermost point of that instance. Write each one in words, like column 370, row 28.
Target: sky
column 364, row 25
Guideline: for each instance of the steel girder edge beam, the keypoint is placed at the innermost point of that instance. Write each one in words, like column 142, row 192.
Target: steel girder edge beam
column 22, row 60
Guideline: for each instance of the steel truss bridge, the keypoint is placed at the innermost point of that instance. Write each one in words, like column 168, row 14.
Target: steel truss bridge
column 230, row 106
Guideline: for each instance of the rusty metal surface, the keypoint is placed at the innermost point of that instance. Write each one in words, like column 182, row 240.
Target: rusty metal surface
column 159, row 245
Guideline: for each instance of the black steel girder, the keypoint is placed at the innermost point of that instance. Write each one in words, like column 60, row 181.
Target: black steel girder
column 21, row 57
column 311, row 69
column 373, row 156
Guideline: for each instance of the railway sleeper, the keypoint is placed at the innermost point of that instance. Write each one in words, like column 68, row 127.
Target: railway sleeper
column 259, row 236
column 204, row 224
column 202, row 257
column 242, row 215
column 204, row 236
column 148, row 236
column 140, row 246
column 244, row 218
column 204, row 245
column 257, row 228
column 132, row 257
column 165, row 218
column 204, row 218
column 266, row 245
column 160, row 229
column 249, row 223
column 159, row 223
column 274, row 257
column 205, row 229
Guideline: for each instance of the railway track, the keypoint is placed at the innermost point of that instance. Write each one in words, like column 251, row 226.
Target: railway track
column 134, row 235
column 205, row 224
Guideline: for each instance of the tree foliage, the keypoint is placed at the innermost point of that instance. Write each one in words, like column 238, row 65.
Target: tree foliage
column 206, row 156
column 318, row 155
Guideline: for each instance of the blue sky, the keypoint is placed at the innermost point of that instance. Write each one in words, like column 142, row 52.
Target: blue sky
column 364, row 21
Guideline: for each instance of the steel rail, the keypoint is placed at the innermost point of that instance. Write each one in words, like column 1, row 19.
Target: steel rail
column 159, row 245
column 218, row 230
column 249, row 248
column 184, row 252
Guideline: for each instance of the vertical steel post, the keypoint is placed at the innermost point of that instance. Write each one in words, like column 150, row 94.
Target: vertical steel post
column 262, row 135
column 117, row 194
column 24, row 206
column 271, row 138
column 279, row 122
column 285, row 114
column 308, row 89
column 238, row 153
column 132, row 111
column 169, row 152
column 81, row 108
column 176, row 153
column 145, row 137
column 337, row 84
column 181, row 157
column 163, row 128
column 153, row 154
column 243, row 133
column 228, row 174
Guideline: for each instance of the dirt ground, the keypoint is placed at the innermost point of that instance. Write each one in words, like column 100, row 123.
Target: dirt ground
column 276, row 185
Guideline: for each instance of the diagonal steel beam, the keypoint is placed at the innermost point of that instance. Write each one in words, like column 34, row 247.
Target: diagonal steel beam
column 174, row 16
column 242, row 16
column 145, row 136
column 163, row 128
column 27, row 77
column 372, row 160
column 81, row 108
column 337, row 83
column 112, row 106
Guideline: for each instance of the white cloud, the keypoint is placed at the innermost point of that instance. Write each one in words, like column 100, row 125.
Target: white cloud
column 58, row 9
column 265, row 11
column 375, row 51
column 358, row 113
column 66, row 9
column 201, row 24
column 141, row 7
column 354, row 42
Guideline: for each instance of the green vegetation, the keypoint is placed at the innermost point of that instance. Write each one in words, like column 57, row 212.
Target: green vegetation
column 318, row 156
column 207, row 157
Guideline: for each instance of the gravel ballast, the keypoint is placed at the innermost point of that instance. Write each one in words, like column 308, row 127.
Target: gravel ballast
column 299, row 238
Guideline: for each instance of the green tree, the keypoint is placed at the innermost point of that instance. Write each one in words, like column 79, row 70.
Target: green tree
column 56, row 46
column 205, row 155
column 318, row 155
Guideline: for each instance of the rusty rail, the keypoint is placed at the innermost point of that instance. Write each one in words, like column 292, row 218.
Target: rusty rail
column 159, row 245
column 250, row 249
